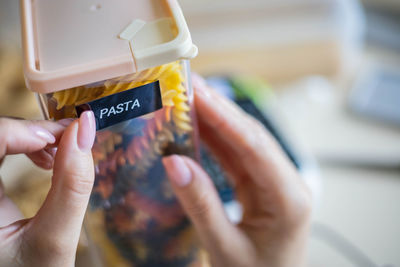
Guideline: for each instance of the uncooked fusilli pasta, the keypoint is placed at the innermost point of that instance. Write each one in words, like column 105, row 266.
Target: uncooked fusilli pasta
column 130, row 198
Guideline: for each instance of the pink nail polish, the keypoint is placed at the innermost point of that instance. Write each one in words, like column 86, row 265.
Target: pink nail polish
column 48, row 165
column 43, row 134
column 86, row 131
column 200, row 85
column 51, row 151
column 177, row 170
column 197, row 80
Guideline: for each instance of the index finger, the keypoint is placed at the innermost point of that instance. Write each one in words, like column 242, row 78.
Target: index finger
column 267, row 182
column 230, row 126
column 19, row 136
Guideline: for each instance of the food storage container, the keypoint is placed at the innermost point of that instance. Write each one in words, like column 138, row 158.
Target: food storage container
column 127, row 60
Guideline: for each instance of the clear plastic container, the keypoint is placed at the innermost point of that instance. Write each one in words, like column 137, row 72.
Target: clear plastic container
column 77, row 53
column 133, row 217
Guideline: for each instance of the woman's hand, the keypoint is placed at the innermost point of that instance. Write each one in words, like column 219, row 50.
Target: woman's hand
column 276, row 202
column 51, row 237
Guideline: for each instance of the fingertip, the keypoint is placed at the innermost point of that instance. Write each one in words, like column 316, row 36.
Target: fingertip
column 52, row 151
column 87, row 131
column 67, row 149
column 200, row 87
column 193, row 165
column 178, row 172
column 198, row 198
column 73, row 176
column 185, row 173
column 43, row 159
column 65, row 122
column 42, row 133
column 198, row 81
column 46, row 165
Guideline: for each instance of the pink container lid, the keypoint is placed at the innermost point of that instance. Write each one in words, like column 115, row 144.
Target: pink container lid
column 77, row 42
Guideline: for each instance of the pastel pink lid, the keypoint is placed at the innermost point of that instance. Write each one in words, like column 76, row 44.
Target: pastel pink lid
column 77, row 42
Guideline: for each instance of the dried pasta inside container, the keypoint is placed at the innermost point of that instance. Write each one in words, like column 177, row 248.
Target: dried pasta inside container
column 133, row 214
column 134, row 75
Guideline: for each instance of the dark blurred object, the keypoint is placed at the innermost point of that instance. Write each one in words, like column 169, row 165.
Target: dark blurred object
column 382, row 4
column 377, row 95
column 383, row 26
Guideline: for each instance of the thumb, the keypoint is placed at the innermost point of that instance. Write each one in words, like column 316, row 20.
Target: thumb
column 198, row 197
column 61, row 216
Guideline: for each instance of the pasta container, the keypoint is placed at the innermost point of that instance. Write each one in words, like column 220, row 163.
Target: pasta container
column 127, row 60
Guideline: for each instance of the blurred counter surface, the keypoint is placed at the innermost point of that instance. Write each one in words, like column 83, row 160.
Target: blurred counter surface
column 358, row 159
column 359, row 165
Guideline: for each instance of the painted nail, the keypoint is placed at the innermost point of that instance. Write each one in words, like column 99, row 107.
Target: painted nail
column 65, row 122
column 51, row 151
column 43, row 134
column 177, row 170
column 198, row 80
column 200, row 85
column 86, row 131
column 48, row 165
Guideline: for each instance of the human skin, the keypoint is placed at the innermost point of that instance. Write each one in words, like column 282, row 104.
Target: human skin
column 276, row 202
column 51, row 237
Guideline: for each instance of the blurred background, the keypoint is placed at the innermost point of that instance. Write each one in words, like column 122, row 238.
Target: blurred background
column 329, row 71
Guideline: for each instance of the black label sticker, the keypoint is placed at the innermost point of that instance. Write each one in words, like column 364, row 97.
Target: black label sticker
column 124, row 106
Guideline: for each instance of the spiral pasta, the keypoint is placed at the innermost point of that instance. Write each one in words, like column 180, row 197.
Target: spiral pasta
column 131, row 201
column 111, row 254
column 175, row 109
column 76, row 96
column 172, row 92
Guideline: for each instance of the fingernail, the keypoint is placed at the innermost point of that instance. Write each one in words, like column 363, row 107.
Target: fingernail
column 198, row 80
column 43, row 134
column 65, row 122
column 45, row 164
column 177, row 170
column 51, row 151
column 200, row 85
column 86, row 131
column 48, row 165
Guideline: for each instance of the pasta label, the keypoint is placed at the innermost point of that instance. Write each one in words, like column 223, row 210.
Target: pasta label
column 125, row 105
